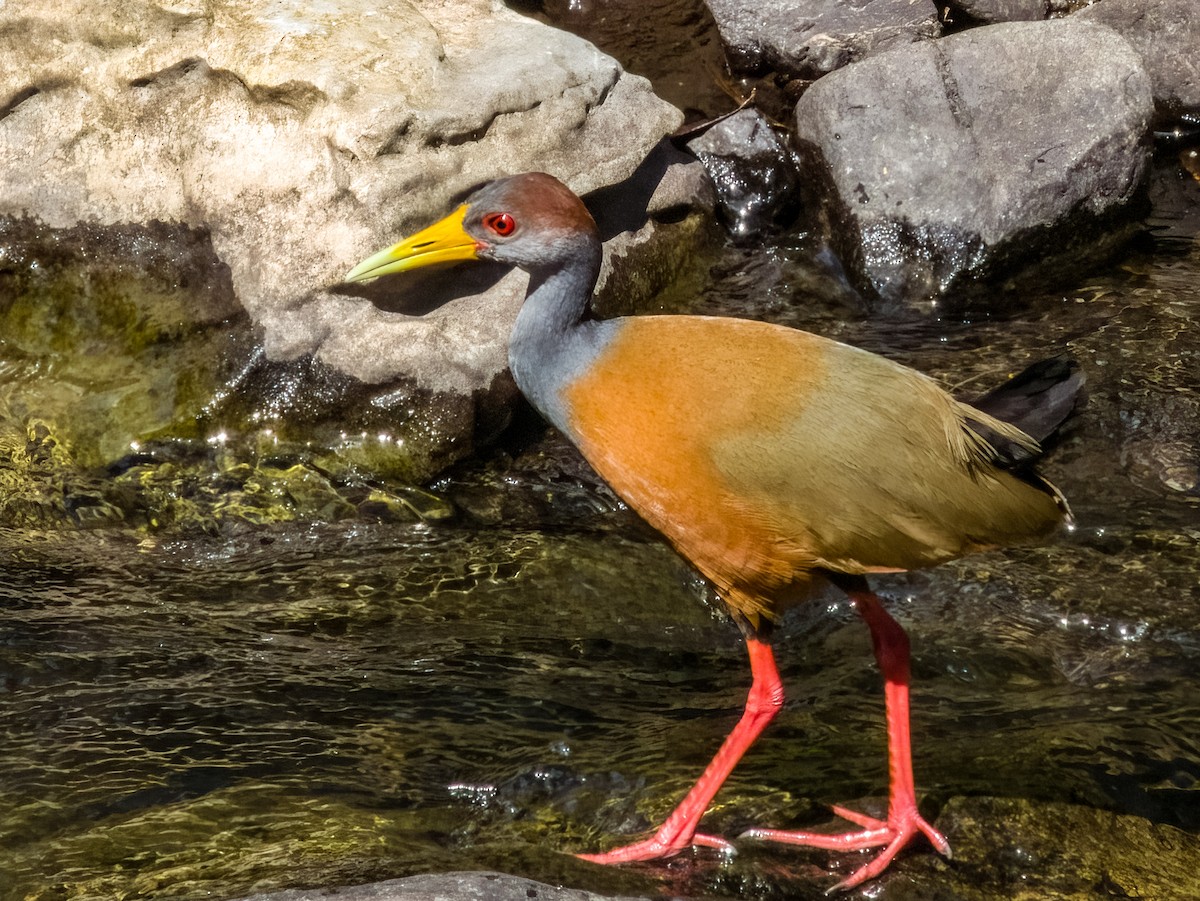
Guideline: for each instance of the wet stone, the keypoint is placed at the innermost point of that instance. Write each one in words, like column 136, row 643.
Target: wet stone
column 973, row 184
column 445, row 887
column 753, row 173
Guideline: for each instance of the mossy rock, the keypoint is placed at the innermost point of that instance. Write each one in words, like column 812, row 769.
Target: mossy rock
column 116, row 334
column 136, row 392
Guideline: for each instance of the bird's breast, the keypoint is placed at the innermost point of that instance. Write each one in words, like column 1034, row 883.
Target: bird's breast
column 658, row 415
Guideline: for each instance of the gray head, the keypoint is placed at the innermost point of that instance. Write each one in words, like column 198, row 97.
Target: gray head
column 532, row 221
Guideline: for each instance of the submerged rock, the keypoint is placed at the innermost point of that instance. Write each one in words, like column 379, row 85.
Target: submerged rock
column 124, row 333
column 1062, row 851
column 971, row 158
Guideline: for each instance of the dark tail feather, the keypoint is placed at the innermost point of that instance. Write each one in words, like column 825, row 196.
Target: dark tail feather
column 1037, row 400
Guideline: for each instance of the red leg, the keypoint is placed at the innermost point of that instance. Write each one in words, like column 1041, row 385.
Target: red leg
column 904, row 821
column 678, row 831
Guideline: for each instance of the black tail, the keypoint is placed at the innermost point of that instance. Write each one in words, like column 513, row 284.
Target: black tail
column 1038, row 400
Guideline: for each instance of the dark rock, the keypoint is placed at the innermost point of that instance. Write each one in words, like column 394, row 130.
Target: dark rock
column 989, row 11
column 1167, row 35
column 752, row 171
column 969, row 159
column 807, row 38
column 444, row 887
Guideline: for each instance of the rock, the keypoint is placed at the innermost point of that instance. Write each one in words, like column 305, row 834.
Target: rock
column 1167, row 35
column 807, row 38
column 1060, row 851
column 444, row 887
column 289, row 140
column 968, row 159
column 752, row 171
column 1001, row 10
column 138, row 324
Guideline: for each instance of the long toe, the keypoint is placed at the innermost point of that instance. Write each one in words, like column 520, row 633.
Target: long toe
column 892, row 835
column 828, row 841
column 657, row 848
column 874, row 867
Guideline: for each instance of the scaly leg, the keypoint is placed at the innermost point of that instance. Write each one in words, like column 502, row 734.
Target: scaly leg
column 904, row 821
column 678, row 831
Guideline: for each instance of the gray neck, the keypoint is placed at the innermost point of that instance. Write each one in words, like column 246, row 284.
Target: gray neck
column 551, row 344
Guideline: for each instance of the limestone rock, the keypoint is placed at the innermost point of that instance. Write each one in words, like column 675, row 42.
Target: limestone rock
column 298, row 138
column 973, row 157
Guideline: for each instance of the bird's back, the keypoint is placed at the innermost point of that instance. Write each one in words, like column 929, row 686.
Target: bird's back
column 764, row 453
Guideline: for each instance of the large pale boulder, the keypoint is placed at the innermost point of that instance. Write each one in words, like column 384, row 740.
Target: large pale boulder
column 295, row 138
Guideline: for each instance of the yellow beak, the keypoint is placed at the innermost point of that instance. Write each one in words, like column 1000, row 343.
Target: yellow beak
column 443, row 242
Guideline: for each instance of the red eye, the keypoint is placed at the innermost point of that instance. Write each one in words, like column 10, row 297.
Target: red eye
column 501, row 223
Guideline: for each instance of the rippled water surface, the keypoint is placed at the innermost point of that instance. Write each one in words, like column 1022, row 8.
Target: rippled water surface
column 351, row 702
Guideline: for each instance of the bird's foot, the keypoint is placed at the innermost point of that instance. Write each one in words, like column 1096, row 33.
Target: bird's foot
column 900, row 828
column 658, row 847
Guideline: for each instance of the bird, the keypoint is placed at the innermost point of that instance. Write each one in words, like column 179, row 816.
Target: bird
column 776, row 461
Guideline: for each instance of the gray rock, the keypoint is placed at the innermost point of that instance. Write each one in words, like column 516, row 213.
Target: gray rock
column 807, row 38
column 970, row 158
column 990, row 11
column 1167, row 35
column 297, row 138
column 444, row 887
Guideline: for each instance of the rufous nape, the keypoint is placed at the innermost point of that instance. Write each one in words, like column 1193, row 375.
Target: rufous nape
column 774, row 460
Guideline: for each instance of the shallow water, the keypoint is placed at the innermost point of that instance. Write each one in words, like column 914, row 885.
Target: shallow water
column 352, row 702
column 317, row 704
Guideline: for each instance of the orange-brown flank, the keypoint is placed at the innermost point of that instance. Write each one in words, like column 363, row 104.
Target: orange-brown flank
column 775, row 452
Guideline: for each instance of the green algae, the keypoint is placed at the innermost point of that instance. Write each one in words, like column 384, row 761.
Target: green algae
column 124, row 333
column 133, row 392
